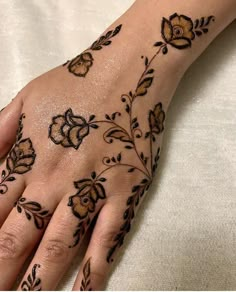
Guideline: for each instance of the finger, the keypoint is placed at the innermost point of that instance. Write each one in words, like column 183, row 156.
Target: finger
column 11, row 188
column 9, row 119
column 22, row 231
column 59, row 245
column 97, row 261
column 19, row 161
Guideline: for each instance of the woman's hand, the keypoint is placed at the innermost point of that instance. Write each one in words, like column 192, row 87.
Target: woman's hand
column 87, row 146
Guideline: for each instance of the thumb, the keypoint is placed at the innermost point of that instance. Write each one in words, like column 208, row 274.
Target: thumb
column 9, row 119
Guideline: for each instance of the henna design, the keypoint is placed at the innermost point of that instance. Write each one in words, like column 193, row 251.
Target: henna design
column 20, row 159
column 69, row 130
column 33, row 283
column 86, row 281
column 80, row 230
column 35, row 210
column 90, row 190
column 178, row 31
column 80, row 65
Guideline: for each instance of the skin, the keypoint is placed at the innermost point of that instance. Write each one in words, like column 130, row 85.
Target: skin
column 50, row 182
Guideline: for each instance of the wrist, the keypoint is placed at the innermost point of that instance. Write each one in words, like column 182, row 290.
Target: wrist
column 145, row 22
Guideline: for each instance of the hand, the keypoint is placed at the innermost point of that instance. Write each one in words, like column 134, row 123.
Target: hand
column 88, row 144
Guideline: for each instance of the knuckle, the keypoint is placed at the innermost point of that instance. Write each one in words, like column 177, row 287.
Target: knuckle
column 98, row 275
column 55, row 250
column 105, row 238
column 10, row 247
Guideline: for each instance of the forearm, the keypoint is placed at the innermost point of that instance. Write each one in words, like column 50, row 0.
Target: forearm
column 147, row 17
column 142, row 27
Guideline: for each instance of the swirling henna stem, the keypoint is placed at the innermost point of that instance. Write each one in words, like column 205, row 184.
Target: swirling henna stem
column 138, row 190
column 178, row 31
column 110, row 122
column 123, row 165
column 135, row 147
column 131, row 108
column 132, row 139
column 149, row 64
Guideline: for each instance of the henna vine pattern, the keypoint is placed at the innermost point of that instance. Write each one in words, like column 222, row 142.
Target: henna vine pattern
column 35, row 210
column 85, row 284
column 80, row 65
column 20, row 159
column 33, row 283
column 178, row 31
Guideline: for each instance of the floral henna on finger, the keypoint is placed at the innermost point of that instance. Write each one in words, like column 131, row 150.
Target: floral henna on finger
column 35, row 211
column 69, row 130
column 90, row 190
column 19, row 160
column 32, row 283
column 80, row 65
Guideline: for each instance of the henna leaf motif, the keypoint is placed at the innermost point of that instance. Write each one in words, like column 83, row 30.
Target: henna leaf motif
column 33, row 210
column 85, row 284
column 117, row 133
column 156, row 119
column 80, row 231
column 156, row 161
column 33, row 283
column 132, row 202
column 200, row 25
column 105, row 39
column 143, row 86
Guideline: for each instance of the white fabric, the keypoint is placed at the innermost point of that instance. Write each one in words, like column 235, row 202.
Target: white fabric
column 185, row 235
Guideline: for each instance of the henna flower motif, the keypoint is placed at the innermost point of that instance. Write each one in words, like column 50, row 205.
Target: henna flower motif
column 80, row 65
column 156, row 119
column 178, row 31
column 89, row 191
column 82, row 205
column 68, row 130
column 21, row 157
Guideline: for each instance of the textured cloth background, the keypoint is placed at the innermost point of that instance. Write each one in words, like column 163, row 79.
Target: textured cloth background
column 185, row 235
